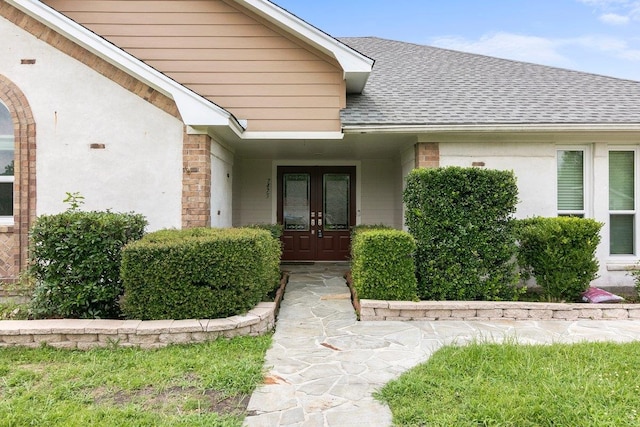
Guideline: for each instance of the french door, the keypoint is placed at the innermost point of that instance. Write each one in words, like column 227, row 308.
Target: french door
column 316, row 206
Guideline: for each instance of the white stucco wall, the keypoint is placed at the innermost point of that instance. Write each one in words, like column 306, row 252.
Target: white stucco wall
column 534, row 164
column 254, row 192
column 221, row 185
column 140, row 168
column 381, row 192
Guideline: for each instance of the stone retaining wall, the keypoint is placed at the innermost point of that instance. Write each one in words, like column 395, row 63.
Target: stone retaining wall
column 87, row 334
column 489, row 310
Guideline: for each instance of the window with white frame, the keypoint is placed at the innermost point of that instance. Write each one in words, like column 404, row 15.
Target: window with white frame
column 622, row 201
column 571, row 174
column 6, row 164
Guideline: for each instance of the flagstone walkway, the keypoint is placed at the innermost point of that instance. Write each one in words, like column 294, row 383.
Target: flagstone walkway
column 324, row 365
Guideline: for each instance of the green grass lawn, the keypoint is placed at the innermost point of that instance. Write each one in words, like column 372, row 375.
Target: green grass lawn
column 195, row 385
column 519, row 385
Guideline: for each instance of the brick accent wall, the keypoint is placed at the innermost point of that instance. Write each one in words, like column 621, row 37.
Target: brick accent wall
column 14, row 240
column 196, row 181
column 427, row 155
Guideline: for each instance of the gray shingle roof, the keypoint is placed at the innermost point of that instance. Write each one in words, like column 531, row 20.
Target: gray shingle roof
column 422, row 85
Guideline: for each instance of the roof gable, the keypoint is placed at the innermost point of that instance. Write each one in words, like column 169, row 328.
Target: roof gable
column 194, row 109
column 356, row 66
column 227, row 54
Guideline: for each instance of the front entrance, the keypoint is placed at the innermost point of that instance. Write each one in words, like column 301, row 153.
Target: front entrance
column 316, row 206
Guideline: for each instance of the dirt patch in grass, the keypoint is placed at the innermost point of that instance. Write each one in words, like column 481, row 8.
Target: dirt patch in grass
column 179, row 400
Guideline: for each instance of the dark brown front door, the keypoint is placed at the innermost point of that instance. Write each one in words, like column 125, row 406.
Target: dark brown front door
column 316, row 206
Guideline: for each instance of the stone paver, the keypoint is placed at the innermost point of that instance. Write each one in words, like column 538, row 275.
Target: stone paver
column 324, row 365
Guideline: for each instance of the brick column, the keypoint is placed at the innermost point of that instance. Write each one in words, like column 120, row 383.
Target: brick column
column 196, row 181
column 14, row 239
column 427, row 155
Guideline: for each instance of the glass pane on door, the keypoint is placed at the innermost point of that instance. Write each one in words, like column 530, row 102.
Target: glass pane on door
column 296, row 201
column 336, row 201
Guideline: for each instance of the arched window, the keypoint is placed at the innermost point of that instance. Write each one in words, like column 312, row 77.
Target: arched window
column 7, row 140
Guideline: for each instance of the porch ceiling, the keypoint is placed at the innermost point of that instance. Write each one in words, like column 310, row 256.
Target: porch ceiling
column 352, row 146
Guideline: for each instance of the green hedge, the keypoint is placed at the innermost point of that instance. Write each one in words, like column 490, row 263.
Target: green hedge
column 560, row 253
column 199, row 273
column 382, row 265
column 275, row 229
column 366, row 227
column 462, row 221
column 75, row 261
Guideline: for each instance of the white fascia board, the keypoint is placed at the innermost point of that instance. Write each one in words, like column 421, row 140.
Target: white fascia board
column 356, row 66
column 569, row 127
column 289, row 135
column 194, row 109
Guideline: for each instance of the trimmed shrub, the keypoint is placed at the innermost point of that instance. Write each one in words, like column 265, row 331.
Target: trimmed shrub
column 382, row 265
column 462, row 221
column 560, row 254
column 198, row 273
column 365, row 227
column 75, row 261
column 275, row 229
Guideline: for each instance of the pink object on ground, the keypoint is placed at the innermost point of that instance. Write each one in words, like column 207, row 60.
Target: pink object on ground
column 597, row 295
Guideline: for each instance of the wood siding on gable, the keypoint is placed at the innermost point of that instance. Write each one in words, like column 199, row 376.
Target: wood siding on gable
column 233, row 58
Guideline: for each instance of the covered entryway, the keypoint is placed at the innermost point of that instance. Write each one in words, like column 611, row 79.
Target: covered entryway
column 316, row 206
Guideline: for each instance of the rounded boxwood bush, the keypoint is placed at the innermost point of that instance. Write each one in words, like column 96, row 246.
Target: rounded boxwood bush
column 560, row 254
column 199, row 273
column 75, row 261
column 382, row 264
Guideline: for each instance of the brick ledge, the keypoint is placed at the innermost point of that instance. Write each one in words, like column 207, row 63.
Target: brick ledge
column 91, row 333
column 85, row 334
column 492, row 310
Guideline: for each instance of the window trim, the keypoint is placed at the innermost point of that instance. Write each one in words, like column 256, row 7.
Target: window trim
column 587, row 171
column 8, row 220
column 634, row 212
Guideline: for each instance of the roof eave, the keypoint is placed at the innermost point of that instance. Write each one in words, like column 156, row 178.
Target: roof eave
column 525, row 127
column 356, row 66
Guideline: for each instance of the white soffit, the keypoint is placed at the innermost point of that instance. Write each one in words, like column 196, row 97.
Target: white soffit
column 194, row 109
column 355, row 65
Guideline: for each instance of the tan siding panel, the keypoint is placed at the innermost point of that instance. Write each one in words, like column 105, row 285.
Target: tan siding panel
column 108, row 30
column 183, row 18
column 141, row 6
column 292, row 54
column 259, row 78
column 240, row 66
column 295, row 125
column 202, row 42
column 290, row 113
column 227, row 54
column 265, row 90
column 277, row 102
